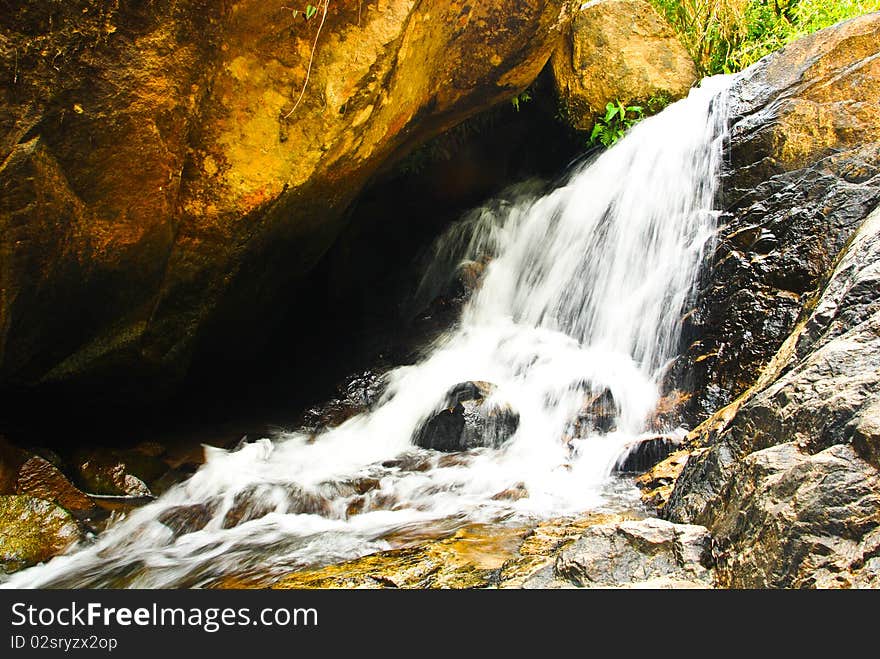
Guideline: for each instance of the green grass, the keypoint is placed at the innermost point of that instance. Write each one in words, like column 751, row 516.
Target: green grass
column 724, row 36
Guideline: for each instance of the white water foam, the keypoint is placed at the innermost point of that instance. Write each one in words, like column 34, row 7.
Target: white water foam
column 584, row 293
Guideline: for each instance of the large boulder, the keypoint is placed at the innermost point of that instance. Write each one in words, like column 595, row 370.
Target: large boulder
column 802, row 172
column 619, row 51
column 163, row 183
column 788, row 484
column 33, row 530
column 470, row 418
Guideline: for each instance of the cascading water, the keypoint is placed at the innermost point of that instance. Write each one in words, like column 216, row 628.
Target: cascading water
column 583, row 293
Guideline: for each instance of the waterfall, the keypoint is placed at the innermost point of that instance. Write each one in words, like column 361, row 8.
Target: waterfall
column 582, row 295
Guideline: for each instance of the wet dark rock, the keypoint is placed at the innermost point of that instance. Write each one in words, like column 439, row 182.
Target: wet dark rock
column 644, row 553
column 22, row 472
column 800, row 177
column 468, row 421
column 643, row 454
column 117, row 472
column 788, row 485
column 33, row 530
column 357, row 394
column 186, row 519
column 598, row 414
column 260, row 500
column 670, row 411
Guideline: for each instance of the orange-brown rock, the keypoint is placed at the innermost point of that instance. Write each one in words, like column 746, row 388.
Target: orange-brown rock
column 24, row 473
column 158, row 191
column 40, row 478
column 619, row 51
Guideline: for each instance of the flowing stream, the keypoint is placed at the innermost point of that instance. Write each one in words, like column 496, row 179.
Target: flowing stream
column 583, row 293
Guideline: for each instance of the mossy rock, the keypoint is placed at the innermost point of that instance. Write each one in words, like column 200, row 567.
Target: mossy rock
column 33, row 530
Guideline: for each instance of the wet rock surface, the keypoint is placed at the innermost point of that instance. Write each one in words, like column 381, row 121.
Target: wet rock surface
column 599, row 550
column 357, row 394
column 803, row 171
column 33, row 530
column 41, row 479
column 469, row 420
column 645, row 453
column 786, row 484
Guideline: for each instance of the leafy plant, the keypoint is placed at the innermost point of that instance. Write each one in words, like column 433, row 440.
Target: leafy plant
column 523, row 97
column 617, row 120
column 308, row 12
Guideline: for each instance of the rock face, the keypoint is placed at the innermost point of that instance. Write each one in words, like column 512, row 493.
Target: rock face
column 469, row 420
column 785, row 518
column 650, row 553
column 32, row 530
column 787, row 486
column 804, row 171
column 619, row 50
column 158, row 190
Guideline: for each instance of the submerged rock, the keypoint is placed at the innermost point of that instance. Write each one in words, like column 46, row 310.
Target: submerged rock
column 598, row 414
column 468, row 421
column 186, row 519
column 33, row 530
column 258, row 501
column 619, row 51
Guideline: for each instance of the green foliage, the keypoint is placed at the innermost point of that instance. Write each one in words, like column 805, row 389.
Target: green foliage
column 617, row 120
column 724, row 36
column 309, row 12
column 768, row 30
column 524, row 97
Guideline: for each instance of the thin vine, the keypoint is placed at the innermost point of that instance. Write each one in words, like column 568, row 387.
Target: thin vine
column 311, row 59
